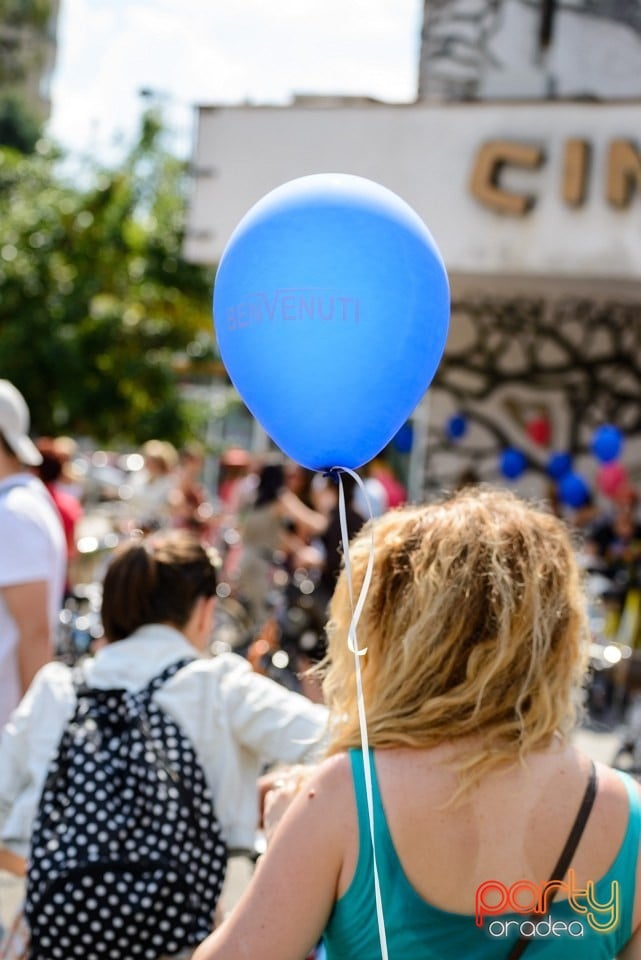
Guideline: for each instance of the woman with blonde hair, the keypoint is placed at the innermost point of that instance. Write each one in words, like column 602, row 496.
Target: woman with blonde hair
column 478, row 828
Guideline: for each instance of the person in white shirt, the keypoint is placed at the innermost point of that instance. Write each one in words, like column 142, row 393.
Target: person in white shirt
column 158, row 600
column 33, row 556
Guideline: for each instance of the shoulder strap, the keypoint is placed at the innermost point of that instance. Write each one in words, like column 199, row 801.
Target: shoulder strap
column 145, row 693
column 157, row 682
column 577, row 829
column 567, row 853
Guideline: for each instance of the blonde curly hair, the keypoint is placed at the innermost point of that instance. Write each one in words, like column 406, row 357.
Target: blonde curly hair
column 475, row 625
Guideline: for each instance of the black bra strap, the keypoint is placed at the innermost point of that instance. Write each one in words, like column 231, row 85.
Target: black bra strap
column 567, row 853
column 572, row 842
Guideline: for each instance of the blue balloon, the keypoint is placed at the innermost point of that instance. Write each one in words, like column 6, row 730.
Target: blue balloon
column 404, row 439
column 331, row 310
column 607, row 442
column 513, row 463
column 574, row 490
column 456, row 426
column 558, row 465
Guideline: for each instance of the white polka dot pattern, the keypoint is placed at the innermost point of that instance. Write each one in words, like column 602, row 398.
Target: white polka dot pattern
column 127, row 858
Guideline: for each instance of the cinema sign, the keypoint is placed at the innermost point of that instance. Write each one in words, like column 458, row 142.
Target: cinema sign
column 622, row 174
column 507, row 189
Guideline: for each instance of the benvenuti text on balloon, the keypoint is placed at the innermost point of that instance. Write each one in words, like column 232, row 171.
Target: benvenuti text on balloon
column 292, row 304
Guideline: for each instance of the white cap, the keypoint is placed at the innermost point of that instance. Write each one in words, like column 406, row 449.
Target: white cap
column 14, row 425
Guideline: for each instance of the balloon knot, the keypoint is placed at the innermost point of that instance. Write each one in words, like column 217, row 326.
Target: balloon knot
column 332, row 474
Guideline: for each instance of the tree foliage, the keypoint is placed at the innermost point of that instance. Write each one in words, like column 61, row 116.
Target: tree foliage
column 19, row 128
column 26, row 13
column 97, row 304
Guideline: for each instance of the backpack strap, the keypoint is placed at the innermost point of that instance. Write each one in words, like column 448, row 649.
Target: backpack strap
column 147, row 692
column 567, row 853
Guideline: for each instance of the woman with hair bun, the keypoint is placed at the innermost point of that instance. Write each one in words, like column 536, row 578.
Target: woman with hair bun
column 157, row 609
column 490, row 831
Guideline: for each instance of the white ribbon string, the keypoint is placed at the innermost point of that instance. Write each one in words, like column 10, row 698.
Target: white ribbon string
column 358, row 653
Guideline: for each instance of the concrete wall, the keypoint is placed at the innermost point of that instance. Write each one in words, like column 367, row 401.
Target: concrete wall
column 429, row 155
column 507, row 49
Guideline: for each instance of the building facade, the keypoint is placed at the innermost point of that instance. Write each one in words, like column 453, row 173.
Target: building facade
column 522, row 153
column 28, row 51
column 539, row 362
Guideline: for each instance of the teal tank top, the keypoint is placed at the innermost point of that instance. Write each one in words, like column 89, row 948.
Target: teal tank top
column 416, row 930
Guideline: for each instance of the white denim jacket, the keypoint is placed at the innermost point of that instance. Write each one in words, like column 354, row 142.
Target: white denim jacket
column 236, row 720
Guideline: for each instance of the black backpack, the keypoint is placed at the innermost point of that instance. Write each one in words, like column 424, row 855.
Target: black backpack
column 127, row 859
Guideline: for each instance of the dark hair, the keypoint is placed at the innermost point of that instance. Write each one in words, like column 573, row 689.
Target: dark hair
column 50, row 469
column 156, row 580
column 270, row 483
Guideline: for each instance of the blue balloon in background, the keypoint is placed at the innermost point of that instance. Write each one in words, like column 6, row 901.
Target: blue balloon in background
column 513, row 463
column 404, row 439
column 607, row 442
column 574, row 490
column 456, row 426
column 331, row 310
column 558, row 465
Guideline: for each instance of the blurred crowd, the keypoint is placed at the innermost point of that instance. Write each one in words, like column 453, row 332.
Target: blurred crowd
column 277, row 531
column 275, row 526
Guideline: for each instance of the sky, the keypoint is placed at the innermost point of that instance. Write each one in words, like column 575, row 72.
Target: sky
column 203, row 52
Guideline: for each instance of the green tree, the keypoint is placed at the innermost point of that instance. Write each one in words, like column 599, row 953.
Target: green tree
column 25, row 13
column 19, row 128
column 98, row 308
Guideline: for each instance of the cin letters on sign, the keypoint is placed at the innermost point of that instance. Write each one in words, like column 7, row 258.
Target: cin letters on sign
column 622, row 166
column 294, row 304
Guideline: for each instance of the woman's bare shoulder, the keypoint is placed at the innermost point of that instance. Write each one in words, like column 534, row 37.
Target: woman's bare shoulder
column 329, row 791
column 333, row 777
column 612, row 787
column 326, row 785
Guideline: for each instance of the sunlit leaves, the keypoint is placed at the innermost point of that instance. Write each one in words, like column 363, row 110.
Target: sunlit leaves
column 96, row 302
